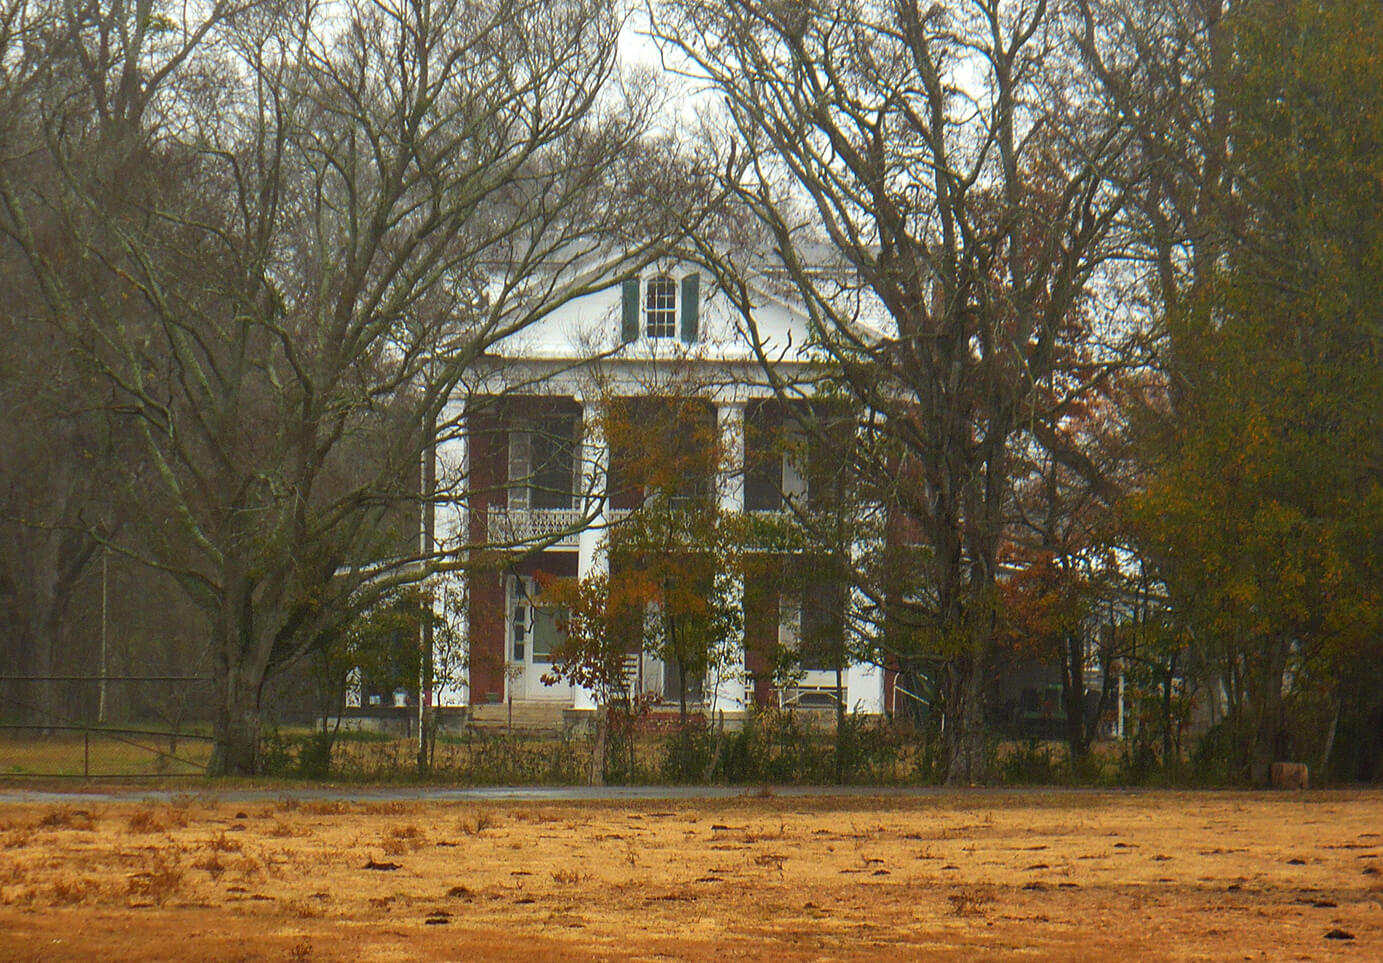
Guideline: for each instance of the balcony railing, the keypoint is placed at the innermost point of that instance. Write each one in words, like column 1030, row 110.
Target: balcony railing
column 518, row 526
column 559, row 527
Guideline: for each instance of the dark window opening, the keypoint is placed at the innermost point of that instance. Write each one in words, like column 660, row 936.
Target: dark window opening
column 553, row 450
column 821, row 631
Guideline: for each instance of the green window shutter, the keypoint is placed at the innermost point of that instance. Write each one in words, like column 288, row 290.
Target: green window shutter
column 629, row 318
column 691, row 306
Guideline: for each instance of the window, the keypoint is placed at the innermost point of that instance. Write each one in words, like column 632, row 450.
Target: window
column 813, row 625
column 823, row 627
column 543, row 463
column 660, row 308
column 774, row 455
column 691, row 450
column 535, row 630
column 553, row 450
column 672, row 684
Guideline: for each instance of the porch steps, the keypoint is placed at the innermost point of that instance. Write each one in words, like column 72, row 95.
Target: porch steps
column 530, row 716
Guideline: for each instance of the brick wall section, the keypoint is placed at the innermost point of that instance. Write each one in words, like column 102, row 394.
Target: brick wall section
column 487, row 637
column 761, row 627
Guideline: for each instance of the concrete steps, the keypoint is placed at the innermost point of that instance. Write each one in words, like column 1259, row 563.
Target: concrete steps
column 531, row 716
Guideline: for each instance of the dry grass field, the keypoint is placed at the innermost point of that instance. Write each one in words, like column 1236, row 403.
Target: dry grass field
column 102, row 754
column 1062, row 875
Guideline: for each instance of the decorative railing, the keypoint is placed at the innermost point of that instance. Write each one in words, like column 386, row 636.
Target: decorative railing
column 559, row 527
column 522, row 526
column 808, row 697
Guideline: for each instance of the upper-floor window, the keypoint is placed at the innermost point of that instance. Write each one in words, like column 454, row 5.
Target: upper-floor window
column 775, row 455
column 543, row 462
column 660, row 308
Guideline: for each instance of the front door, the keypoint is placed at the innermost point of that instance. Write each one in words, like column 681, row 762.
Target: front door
column 533, row 634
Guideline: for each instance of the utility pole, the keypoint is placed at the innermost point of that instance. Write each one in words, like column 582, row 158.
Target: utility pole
column 105, row 660
column 427, row 485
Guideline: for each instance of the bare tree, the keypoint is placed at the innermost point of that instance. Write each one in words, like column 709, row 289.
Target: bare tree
column 48, row 496
column 300, row 223
column 936, row 183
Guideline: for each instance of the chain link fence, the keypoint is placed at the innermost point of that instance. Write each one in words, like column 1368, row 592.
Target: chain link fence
column 118, row 726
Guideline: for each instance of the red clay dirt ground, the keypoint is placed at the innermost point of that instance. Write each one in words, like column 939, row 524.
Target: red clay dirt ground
column 1064, row 875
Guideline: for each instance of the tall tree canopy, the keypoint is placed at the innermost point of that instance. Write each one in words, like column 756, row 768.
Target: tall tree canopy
column 935, row 183
column 282, row 230
column 1265, row 514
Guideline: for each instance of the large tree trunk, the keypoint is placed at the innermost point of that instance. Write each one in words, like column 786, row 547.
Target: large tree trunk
column 235, row 750
column 963, row 738
column 1073, row 686
column 1169, row 762
column 55, row 564
column 41, row 699
column 241, row 663
column 1266, row 708
column 841, row 747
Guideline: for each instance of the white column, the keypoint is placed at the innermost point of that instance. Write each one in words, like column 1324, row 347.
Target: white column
column 730, row 479
column 730, row 694
column 864, row 688
column 592, row 546
column 451, row 638
column 864, row 681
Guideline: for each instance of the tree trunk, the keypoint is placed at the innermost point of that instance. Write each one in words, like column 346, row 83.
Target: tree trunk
column 683, row 738
column 598, row 747
column 1329, row 748
column 963, row 740
column 235, row 746
column 1267, row 708
column 42, row 697
column 1073, row 686
column 1167, row 679
column 840, row 726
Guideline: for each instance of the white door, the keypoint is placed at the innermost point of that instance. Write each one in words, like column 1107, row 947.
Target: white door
column 533, row 633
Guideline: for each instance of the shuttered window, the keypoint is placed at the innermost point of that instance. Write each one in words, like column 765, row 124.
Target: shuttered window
column 660, row 308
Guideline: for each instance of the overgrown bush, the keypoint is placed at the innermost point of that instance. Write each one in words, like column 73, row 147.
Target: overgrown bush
column 1138, row 763
column 785, row 747
column 1217, row 758
column 307, row 756
column 1031, row 763
column 504, row 758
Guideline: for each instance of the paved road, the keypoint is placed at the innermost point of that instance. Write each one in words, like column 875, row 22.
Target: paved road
column 13, row 795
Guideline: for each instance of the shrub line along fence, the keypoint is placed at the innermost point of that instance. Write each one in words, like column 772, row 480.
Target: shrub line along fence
column 65, row 726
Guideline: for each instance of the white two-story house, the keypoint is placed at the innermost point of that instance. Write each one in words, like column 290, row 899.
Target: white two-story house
column 531, row 489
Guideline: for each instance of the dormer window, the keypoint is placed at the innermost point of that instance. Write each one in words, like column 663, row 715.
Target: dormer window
column 660, row 307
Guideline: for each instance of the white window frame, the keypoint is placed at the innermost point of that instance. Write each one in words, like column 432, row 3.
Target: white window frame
column 660, row 318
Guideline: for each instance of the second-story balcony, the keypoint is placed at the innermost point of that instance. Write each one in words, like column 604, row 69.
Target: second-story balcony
column 530, row 526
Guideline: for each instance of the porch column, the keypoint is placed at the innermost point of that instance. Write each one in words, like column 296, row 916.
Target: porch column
column 450, row 545
column 864, row 688
column 864, row 681
column 592, row 545
column 730, row 695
